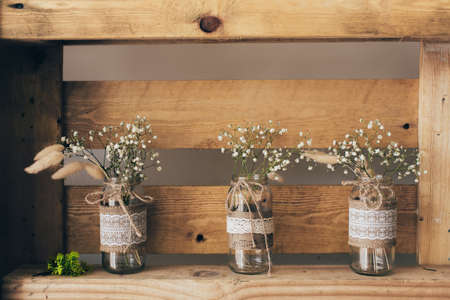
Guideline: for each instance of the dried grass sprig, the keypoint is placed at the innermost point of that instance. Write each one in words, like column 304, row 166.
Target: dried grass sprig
column 275, row 177
column 68, row 170
column 75, row 167
column 321, row 157
column 52, row 159
column 94, row 171
column 47, row 150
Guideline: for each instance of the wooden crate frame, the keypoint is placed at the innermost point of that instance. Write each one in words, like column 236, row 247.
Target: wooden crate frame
column 36, row 104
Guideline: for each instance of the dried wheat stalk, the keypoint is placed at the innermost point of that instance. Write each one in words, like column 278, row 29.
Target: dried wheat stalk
column 50, row 160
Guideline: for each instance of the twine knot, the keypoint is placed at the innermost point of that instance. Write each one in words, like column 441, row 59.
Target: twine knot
column 114, row 191
column 370, row 190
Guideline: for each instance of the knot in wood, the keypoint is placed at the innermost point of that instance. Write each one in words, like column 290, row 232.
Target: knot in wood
column 204, row 273
column 209, row 24
column 16, row 5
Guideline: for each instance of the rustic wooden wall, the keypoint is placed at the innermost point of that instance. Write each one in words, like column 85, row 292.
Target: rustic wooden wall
column 191, row 219
column 30, row 118
column 189, row 114
column 31, row 101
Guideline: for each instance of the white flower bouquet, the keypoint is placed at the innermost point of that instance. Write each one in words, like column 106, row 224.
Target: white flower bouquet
column 369, row 149
column 371, row 155
column 127, row 153
column 123, row 215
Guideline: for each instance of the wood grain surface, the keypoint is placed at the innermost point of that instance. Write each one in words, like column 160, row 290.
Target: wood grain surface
column 30, row 118
column 190, row 114
column 223, row 20
column 218, row 282
column 434, row 135
column 191, row 219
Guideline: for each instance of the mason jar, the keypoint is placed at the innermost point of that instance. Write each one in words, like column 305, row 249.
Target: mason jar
column 249, row 225
column 372, row 228
column 122, row 234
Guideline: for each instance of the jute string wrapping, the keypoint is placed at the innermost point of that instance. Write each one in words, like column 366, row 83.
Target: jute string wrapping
column 114, row 220
column 242, row 185
column 372, row 218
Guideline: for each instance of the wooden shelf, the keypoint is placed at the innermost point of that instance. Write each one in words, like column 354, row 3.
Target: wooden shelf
column 218, row 282
column 226, row 20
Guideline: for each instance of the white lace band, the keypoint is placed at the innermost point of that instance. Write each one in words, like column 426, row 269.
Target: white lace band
column 372, row 224
column 244, row 225
column 116, row 231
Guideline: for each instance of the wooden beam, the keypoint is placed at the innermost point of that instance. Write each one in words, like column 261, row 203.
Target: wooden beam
column 308, row 219
column 190, row 114
column 218, row 282
column 227, row 20
column 30, row 118
column 434, row 142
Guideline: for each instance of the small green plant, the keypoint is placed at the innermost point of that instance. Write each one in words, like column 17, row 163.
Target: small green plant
column 67, row 265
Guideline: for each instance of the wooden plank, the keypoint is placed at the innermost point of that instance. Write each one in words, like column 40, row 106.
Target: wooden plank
column 224, row 20
column 434, row 141
column 218, row 282
column 190, row 114
column 30, row 117
column 191, row 219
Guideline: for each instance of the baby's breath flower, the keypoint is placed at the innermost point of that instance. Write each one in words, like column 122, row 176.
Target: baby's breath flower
column 361, row 151
column 125, row 149
column 251, row 148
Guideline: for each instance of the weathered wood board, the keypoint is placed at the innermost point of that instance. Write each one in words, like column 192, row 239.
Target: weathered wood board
column 224, row 20
column 218, row 282
column 191, row 219
column 30, row 118
column 434, row 141
column 190, row 114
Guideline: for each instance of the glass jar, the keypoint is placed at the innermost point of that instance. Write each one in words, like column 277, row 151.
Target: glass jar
column 249, row 225
column 123, row 250
column 372, row 227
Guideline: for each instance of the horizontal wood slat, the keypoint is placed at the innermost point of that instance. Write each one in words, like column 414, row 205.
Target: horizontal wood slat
column 308, row 219
column 228, row 20
column 218, row 282
column 190, row 114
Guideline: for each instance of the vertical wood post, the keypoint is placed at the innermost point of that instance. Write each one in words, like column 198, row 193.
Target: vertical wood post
column 30, row 118
column 433, row 243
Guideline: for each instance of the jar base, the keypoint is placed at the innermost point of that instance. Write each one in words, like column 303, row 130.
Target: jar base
column 249, row 272
column 120, row 272
column 372, row 261
column 248, row 262
column 124, row 263
column 360, row 272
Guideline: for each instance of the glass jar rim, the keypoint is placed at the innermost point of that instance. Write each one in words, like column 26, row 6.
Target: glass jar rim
column 382, row 180
column 254, row 177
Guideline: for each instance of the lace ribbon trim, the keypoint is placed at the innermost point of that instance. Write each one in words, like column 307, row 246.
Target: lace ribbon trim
column 244, row 225
column 372, row 224
column 116, row 230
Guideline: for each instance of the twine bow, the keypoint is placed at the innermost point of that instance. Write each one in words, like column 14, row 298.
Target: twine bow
column 115, row 193
column 242, row 184
column 367, row 187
